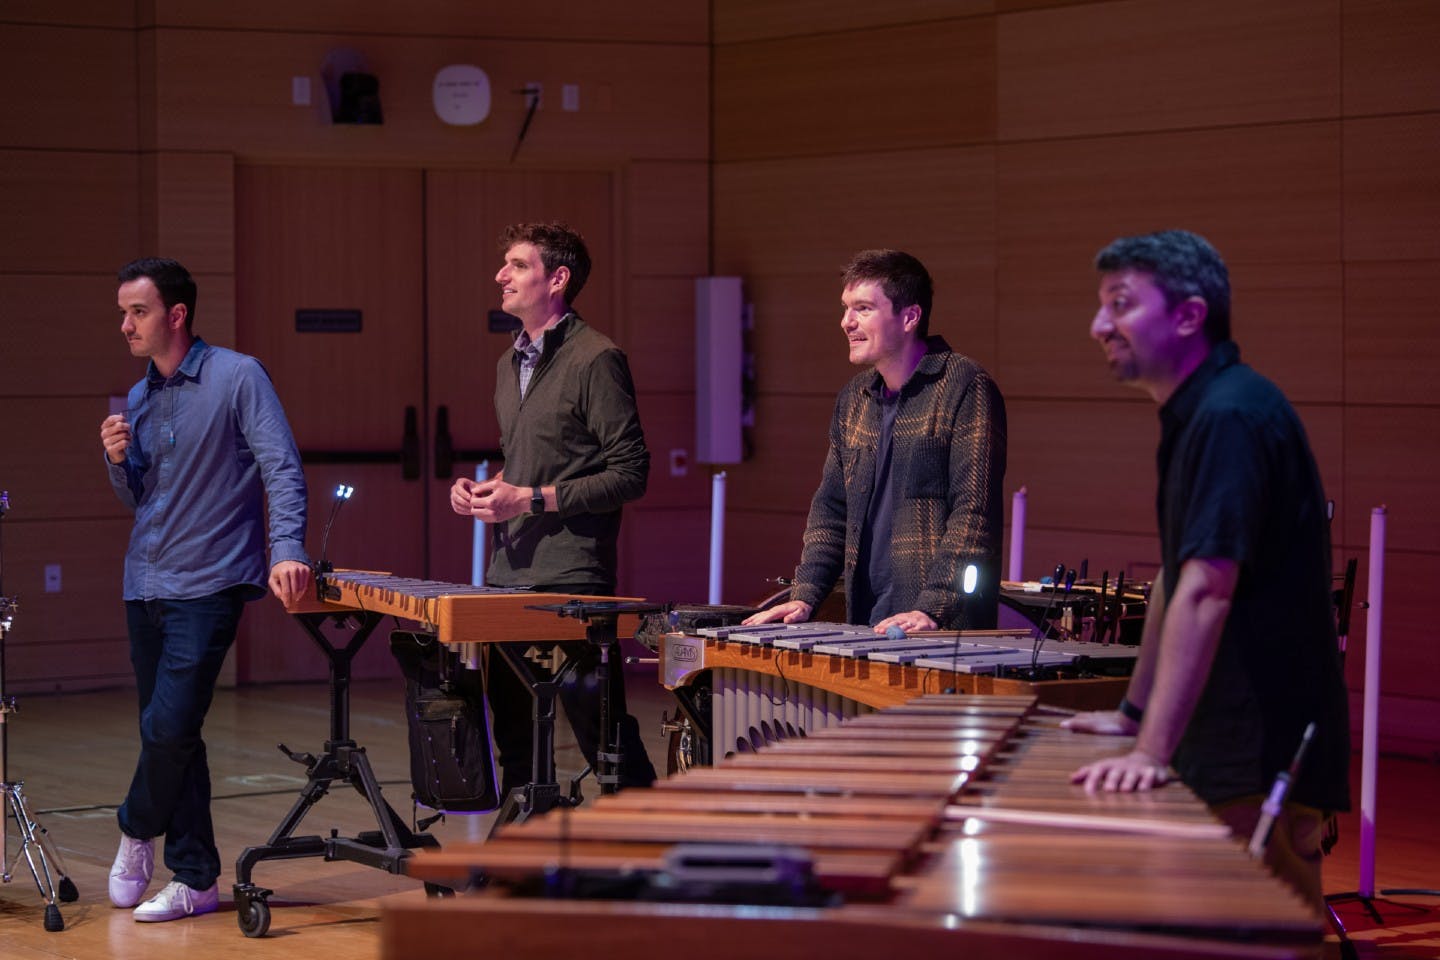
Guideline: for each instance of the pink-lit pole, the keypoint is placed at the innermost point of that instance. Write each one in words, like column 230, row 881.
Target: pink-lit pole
column 1370, row 723
column 1017, row 534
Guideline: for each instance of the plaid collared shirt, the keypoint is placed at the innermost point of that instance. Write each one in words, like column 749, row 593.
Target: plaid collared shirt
column 949, row 448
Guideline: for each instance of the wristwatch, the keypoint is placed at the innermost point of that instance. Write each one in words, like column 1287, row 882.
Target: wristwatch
column 537, row 500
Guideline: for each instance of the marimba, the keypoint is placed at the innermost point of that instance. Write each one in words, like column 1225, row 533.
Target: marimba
column 944, row 827
column 804, row 676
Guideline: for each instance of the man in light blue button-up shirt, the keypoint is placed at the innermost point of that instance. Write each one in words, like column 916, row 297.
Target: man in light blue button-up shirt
column 201, row 447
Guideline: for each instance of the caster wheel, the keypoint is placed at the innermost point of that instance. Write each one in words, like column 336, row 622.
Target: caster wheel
column 255, row 919
column 435, row 890
column 68, row 893
column 53, row 921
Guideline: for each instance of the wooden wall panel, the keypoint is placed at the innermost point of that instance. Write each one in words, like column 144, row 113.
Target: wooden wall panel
column 1389, row 55
column 669, row 423
column 736, row 21
column 68, row 212
column 1086, row 466
column 1287, row 318
column 1260, row 194
column 188, row 209
column 1392, row 459
column 636, row 100
column 664, row 554
column 53, row 460
column 659, row 333
column 760, row 545
column 74, row 639
column 63, row 337
column 832, row 93
column 807, row 216
column 629, row 20
column 79, row 13
column 791, row 437
column 1392, row 188
column 1120, row 67
column 668, row 229
column 60, row 89
column 1392, row 342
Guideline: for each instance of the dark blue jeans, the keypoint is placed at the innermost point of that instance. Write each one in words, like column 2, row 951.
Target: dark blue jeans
column 177, row 648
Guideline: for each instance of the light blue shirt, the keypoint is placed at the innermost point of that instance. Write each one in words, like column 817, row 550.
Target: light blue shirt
column 208, row 446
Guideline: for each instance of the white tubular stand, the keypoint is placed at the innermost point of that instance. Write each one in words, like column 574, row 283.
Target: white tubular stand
column 717, row 535
column 1017, row 535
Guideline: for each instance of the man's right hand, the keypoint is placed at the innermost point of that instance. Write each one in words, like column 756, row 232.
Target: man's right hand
column 793, row 611
column 115, row 435
column 1111, row 722
column 463, row 493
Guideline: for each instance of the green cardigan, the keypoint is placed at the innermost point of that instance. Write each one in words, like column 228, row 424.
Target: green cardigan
column 578, row 429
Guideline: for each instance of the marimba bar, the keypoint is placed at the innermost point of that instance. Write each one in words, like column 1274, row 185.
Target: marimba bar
column 947, row 826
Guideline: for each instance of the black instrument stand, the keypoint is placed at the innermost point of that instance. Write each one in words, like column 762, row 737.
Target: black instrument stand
column 46, row 867
column 342, row 760
column 543, row 792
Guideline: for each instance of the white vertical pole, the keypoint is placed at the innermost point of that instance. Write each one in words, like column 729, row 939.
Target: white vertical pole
column 477, row 537
column 717, row 534
column 1370, row 724
column 1017, row 534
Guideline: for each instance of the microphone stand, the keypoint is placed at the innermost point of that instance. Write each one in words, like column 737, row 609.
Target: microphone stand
column 36, row 847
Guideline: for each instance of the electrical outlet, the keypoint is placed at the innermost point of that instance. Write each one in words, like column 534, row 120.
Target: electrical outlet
column 534, row 93
column 679, row 462
column 300, row 91
column 570, row 97
column 52, row 578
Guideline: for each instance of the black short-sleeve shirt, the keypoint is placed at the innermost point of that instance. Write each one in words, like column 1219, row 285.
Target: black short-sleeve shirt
column 1238, row 482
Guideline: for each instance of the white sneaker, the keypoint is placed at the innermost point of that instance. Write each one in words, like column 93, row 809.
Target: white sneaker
column 176, row 901
column 131, row 871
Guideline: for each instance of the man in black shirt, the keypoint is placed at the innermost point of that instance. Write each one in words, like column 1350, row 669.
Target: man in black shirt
column 1239, row 650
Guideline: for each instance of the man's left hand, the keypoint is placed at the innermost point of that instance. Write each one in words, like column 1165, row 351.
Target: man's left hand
column 911, row 621
column 290, row 581
column 1128, row 773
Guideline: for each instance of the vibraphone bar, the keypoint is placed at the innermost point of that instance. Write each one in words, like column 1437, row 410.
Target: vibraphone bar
column 947, row 824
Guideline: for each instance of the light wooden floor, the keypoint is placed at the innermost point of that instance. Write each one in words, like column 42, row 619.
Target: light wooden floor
column 76, row 752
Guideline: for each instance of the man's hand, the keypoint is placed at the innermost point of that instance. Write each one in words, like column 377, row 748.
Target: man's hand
column 792, row 611
column 911, row 621
column 493, row 501
column 115, row 435
column 1133, row 771
column 290, row 581
column 1111, row 722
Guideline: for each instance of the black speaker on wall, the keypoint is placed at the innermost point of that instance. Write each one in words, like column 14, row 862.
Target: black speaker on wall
column 359, row 99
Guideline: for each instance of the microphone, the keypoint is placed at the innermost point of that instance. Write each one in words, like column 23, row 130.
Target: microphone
column 1043, row 627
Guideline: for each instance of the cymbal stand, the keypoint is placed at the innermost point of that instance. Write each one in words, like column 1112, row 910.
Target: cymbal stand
column 41, row 857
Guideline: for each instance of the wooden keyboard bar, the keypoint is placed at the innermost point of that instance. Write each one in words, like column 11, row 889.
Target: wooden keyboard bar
column 1006, row 860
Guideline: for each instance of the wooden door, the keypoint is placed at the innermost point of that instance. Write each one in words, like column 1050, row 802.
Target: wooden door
column 316, row 238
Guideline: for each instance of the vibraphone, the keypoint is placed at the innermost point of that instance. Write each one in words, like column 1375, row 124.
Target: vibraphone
column 941, row 826
column 800, row 677
column 461, row 616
